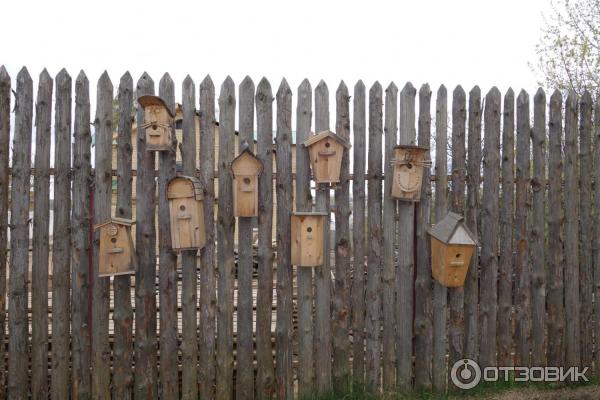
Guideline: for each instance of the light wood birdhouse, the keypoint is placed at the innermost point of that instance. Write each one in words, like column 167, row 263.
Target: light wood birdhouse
column 116, row 254
column 246, row 169
column 307, row 238
column 452, row 246
column 326, row 150
column 158, row 123
column 409, row 163
column 186, row 213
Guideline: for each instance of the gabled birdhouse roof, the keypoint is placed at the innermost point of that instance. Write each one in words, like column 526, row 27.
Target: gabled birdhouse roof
column 250, row 158
column 309, row 213
column 198, row 193
column 411, row 147
column 115, row 220
column 324, row 135
column 148, row 100
column 450, row 225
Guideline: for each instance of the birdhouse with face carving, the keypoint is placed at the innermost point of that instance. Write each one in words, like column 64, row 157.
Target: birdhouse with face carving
column 116, row 254
column 158, row 123
column 246, row 169
column 186, row 210
column 452, row 246
column 307, row 238
column 326, row 150
column 409, row 163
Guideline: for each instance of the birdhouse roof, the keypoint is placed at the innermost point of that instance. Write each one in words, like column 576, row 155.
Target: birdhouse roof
column 250, row 160
column 198, row 193
column 324, row 135
column 453, row 230
column 309, row 213
column 411, row 147
column 115, row 220
column 148, row 100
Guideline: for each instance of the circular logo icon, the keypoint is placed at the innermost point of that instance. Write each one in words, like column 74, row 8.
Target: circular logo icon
column 465, row 374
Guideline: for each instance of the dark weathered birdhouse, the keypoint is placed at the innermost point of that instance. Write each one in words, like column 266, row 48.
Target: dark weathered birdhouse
column 246, row 169
column 307, row 238
column 158, row 123
column 409, row 163
column 452, row 246
column 326, row 150
column 117, row 254
column 186, row 213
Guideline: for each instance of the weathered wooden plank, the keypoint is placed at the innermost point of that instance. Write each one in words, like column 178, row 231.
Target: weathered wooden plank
column 285, row 327
column 596, row 238
column 123, row 314
column 406, row 264
column 41, row 250
column 4, row 156
column 358, row 234
column 389, row 241
column 18, row 385
column 585, row 228
column 507, row 205
column 440, row 293
column 537, row 236
column 304, row 203
column 522, row 223
column 244, row 378
column 102, row 211
column 322, row 338
column 208, row 298
column 423, row 281
column 265, row 377
column 489, row 229
column 146, row 368
column 225, row 231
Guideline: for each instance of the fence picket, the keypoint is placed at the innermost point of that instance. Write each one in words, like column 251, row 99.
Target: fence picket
column 4, row 177
column 596, row 238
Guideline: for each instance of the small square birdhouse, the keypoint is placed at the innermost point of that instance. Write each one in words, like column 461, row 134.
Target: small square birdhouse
column 326, row 150
column 307, row 238
column 452, row 246
column 409, row 163
column 158, row 123
column 246, row 169
column 186, row 213
column 116, row 254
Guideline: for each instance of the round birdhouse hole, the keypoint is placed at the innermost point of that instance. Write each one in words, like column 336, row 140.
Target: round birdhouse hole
column 154, row 127
column 182, row 207
column 327, row 144
column 309, row 229
column 247, row 181
column 113, row 240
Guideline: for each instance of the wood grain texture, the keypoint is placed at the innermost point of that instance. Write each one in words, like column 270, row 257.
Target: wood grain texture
column 596, row 238
column 4, row 189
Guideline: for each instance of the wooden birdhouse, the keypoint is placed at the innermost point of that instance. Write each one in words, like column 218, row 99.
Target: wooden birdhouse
column 246, row 169
column 452, row 246
column 409, row 163
column 186, row 213
column 117, row 254
column 307, row 238
column 158, row 123
column 326, row 150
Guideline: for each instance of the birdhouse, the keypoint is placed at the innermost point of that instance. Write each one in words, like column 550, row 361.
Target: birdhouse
column 116, row 254
column 409, row 163
column 326, row 150
column 452, row 246
column 158, row 123
column 307, row 238
column 246, row 169
column 186, row 213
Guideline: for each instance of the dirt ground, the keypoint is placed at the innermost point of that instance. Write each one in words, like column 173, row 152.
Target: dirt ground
column 580, row 393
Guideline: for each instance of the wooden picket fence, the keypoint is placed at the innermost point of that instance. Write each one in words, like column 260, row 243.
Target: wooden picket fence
column 372, row 314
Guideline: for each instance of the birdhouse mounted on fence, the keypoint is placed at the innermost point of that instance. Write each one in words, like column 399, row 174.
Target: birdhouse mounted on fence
column 158, row 123
column 409, row 163
column 117, row 254
column 307, row 238
column 452, row 246
column 326, row 150
column 186, row 213
column 246, row 169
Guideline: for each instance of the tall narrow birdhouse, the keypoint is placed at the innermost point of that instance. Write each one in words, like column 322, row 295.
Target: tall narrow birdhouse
column 246, row 169
column 307, row 238
column 452, row 246
column 186, row 213
column 326, row 150
column 158, row 123
column 409, row 163
column 116, row 254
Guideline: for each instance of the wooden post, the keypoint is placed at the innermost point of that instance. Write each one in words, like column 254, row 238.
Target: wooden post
column 4, row 177
column 304, row 203
column 596, row 238
column 41, row 250
column 489, row 228
column 423, row 281
column 123, row 314
column 285, row 326
column 507, row 202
